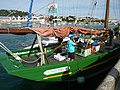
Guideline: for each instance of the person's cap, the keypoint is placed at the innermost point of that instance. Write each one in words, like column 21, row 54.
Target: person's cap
column 70, row 35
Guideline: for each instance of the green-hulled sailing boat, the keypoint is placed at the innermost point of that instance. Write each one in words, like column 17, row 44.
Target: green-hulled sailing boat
column 43, row 64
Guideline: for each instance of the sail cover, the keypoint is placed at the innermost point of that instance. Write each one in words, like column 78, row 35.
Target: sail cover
column 63, row 31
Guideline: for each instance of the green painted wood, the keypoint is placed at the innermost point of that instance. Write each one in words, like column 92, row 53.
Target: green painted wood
column 36, row 73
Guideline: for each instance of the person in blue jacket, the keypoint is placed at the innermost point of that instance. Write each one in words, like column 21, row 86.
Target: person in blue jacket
column 71, row 48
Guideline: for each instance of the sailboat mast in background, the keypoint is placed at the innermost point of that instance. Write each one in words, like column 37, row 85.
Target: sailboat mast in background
column 29, row 14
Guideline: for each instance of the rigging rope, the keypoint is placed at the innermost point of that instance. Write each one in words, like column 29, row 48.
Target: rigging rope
column 19, row 7
column 15, row 55
column 92, row 13
column 103, row 12
column 119, row 9
column 40, row 8
column 7, row 50
column 115, row 9
column 45, row 6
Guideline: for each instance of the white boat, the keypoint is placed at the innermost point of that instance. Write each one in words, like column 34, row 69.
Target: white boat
column 51, row 40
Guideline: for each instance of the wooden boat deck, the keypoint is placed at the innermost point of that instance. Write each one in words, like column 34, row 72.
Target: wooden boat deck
column 52, row 60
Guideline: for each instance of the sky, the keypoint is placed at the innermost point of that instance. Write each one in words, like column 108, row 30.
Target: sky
column 79, row 8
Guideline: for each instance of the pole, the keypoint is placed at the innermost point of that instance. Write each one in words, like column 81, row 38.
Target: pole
column 107, row 14
column 29, row 14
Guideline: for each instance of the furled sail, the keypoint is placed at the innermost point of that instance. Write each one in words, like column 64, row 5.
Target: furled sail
column 19, row 31
column 64, row 31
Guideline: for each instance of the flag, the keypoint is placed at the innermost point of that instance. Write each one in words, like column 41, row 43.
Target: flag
column 52, row 8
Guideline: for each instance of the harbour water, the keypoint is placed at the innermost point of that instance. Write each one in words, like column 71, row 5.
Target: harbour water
column 8, row 82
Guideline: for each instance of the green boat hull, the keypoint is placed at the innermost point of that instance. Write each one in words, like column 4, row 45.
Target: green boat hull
column 63, row 71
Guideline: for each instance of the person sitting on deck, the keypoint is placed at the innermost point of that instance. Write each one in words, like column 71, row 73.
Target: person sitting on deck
column 81, row 44
column 71, row 48
column 93, row 46
column 90, row 41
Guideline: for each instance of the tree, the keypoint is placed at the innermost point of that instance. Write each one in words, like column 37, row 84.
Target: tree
column 4, row 12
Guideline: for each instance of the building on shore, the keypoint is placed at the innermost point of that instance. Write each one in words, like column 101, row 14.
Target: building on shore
column 19, row 19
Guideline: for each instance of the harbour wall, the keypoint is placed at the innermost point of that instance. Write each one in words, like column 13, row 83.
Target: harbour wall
column 112, row 80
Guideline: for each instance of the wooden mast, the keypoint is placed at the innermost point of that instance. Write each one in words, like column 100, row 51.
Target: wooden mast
column 107, row 14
